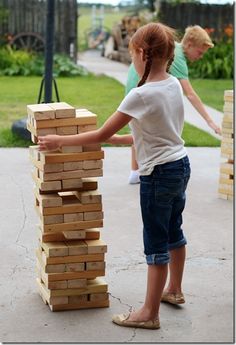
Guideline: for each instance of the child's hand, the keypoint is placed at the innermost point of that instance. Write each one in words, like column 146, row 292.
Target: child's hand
column 49, row 142
column 216, row 128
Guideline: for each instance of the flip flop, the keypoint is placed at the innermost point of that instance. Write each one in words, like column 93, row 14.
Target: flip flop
column 173, row 298
column 123, row 320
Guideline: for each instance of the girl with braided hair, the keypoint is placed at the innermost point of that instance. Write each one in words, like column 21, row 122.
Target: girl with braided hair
column 195, row 43
column 155, row 113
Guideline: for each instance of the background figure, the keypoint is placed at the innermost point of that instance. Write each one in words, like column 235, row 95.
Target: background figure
column 194, row 44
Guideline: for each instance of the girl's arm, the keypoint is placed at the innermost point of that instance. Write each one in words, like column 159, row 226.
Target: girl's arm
column 116, row 139
column 197, row 103
column 113, row 124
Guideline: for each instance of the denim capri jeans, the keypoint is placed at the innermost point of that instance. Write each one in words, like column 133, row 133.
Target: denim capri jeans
column 162, row 198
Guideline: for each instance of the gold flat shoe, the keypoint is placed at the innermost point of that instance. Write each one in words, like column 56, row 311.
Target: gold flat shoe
column 123, row 320
column 173, row 298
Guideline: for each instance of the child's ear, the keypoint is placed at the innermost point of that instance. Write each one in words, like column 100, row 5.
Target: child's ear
column 143, row 55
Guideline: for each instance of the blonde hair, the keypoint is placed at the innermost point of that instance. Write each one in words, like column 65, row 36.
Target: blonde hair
column 197, row 36
column 157, row 41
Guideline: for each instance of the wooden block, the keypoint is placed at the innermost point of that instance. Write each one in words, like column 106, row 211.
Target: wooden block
column 72, row 183
column 73, row 217
column 228, row 106
column 62, row 110
column 226, row 189
column 45, row 131
column 96, row 246
column 73, row 226
column 78, row 299
column 77, row 248
column 34, row 139
column 228, row 140
column 58, row 285
column 51, row 300
column 75, row 267
column 73, row 166
column 86, row 128
column 81, row 174
column 227, row 168
column 51, row 201
column 228, row 117
column 92, row 164
column 97, row 285
column 55, row 249
column 47, row 186
column 88, row 234
column 91, row 147
column 53, row 219
column 74, row 275
column 229, row 93
column 74, row 235
column 226, row 130
column 226, row 124
column 57, row 157
column 73, row 258
column 40, row 111
column 93, row 215
column 64, row 122
column 72, row 208
column 226, row 181
column 71, row 149
column 55, row 176
column 34, row 152
column 68, row 130
column 76, row 284
column 98, row 296
column 228, row 150
column 90, row 197
column 81, row 305
column 91, row 266
column 58, row 268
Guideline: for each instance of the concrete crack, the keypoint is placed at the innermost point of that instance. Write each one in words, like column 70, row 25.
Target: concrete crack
column 23, row 208
column 133, row 336
column 119, row 299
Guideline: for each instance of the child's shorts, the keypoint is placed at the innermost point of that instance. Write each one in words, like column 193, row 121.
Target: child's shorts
column 162, row 197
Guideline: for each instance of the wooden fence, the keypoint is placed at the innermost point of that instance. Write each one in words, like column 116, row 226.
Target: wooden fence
column 18, row 16
column 179, row 16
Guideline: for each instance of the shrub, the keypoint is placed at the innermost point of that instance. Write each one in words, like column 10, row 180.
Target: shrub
column 217, row 63
column 21, row 62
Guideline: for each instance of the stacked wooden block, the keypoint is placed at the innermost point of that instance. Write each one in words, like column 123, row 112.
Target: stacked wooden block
column 70, row 254
column 226, row 182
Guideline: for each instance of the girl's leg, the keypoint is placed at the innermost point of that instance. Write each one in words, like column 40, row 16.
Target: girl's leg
column 156, row 279
column 176, row 269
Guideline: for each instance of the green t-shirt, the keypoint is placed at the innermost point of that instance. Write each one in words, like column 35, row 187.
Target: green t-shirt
column 178, row 69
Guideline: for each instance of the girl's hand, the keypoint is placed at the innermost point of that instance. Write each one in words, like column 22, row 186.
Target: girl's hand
column 216, row 128
column 49, row 142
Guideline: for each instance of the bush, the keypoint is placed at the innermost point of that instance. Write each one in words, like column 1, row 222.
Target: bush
column 21, row 62
column 217, row 63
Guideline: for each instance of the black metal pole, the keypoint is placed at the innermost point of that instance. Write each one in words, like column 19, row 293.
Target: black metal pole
column 49, row 51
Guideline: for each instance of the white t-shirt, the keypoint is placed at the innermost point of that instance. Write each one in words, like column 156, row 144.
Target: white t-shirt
column 158, row 118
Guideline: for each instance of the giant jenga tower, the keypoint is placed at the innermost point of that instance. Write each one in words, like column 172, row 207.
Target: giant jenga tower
column 227, row 146
column 70, row 253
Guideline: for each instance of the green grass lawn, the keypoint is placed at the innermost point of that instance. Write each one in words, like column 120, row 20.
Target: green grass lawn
column 100, row 95
column 211, row 91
